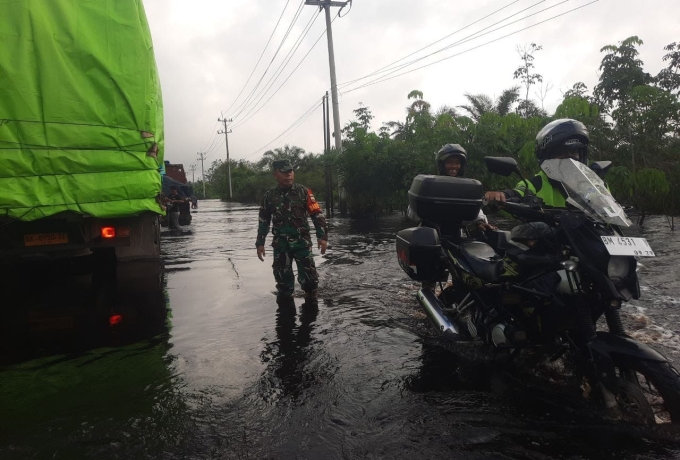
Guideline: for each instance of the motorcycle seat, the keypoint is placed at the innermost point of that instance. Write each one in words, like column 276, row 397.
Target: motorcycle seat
column 483, row 260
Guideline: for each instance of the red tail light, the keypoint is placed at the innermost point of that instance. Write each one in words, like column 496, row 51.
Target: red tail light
column 108, row 232
column 115, row 319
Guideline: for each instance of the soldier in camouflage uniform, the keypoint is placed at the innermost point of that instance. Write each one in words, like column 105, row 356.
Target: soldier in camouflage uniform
column 287, row 206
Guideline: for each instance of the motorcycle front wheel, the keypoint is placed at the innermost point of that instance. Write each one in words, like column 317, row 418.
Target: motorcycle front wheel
column 649, row 391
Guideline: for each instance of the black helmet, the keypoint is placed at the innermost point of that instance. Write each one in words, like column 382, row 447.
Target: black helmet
column 562, row 135
column 449, row 151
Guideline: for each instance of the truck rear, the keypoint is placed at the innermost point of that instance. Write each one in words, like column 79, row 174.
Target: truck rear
column 81, row 131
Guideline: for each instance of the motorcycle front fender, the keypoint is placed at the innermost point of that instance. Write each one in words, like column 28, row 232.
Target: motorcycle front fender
column 608, row 350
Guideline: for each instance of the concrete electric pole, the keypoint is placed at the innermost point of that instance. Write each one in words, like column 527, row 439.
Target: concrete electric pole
column 192, row 168
column 201, row 156
column 326, row 5
column 226, row 132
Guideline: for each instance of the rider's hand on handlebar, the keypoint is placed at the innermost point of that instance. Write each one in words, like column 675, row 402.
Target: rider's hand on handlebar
column 483, row 226
column 495, row 196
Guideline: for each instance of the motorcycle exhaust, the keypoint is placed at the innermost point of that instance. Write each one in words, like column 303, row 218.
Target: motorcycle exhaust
column 433, row 307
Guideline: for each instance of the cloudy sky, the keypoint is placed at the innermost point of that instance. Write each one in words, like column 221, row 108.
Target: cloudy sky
column 207, row 49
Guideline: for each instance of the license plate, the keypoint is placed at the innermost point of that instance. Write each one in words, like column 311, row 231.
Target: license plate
column 44, row 239
column 626, row 246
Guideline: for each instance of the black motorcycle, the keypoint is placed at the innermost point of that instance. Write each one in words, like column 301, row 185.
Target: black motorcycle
column 542, row 289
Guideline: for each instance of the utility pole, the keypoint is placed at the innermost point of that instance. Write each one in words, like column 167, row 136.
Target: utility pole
column 201, row 156
column 192, row 168
column 326, row 5
column 328, row 148
column 226, row 132
column 325, row 155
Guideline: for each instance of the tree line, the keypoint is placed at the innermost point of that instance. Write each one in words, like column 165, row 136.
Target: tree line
column 633, row 118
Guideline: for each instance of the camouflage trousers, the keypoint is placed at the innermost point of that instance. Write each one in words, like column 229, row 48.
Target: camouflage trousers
column 284, row 254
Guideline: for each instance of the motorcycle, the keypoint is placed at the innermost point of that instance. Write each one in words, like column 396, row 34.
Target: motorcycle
column 541, row 288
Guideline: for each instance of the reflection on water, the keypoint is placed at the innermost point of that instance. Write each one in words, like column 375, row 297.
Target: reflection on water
column 204, row 364
column 85, row 353
column 287, row 358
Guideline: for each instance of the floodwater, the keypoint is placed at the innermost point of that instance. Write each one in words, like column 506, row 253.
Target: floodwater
column 200, row 363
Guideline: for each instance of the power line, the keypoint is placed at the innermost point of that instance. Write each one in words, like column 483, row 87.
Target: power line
column 242, row 122
column 383, row 78
column 260, row 58
column 291, row 128
column 276, row 53
column 468, row 38
column 281, row 67
column 212, row 138
column 217, row 141
column 432, row 44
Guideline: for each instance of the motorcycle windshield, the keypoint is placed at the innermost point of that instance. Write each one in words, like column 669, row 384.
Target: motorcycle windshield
column 586, row 191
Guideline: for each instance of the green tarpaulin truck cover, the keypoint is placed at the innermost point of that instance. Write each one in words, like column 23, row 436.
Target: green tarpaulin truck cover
column 81, row 114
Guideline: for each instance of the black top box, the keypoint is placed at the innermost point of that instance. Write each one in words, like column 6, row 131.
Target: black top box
column 445, row 200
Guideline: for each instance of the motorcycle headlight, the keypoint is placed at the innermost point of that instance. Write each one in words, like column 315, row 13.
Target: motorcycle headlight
column 618, row 267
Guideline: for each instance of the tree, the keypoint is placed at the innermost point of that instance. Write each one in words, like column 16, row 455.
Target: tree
column 524, row 72
column 669, row 78
column 578, row 90
column 621, row 71
column 292, row 153
column 418, row 107
column 479, row 104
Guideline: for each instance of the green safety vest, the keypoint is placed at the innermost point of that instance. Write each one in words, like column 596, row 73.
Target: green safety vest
column 540, row 186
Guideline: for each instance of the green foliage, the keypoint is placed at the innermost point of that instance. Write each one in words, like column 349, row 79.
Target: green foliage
column 633, row 120
column 524, row 74
column 651, row 188
column 669, row 78
column 621, row 182
column 620, row 72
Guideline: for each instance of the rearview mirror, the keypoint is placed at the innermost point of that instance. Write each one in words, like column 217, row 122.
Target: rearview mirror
column 503, row 166
column 601, row 167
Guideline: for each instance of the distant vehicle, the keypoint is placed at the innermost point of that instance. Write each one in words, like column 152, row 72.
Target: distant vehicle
column 176, row 175
column 81, row 130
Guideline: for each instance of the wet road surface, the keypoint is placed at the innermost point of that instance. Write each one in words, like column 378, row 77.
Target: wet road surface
column 203, row 364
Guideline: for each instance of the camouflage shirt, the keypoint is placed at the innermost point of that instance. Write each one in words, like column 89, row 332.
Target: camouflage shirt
column 287, row 210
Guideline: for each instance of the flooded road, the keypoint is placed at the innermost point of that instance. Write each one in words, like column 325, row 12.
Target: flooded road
column 204, row 365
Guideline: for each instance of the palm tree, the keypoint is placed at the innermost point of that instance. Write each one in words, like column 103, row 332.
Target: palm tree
column 446, row 110
column 506, row 99
column 292, row 153
column 479, row 104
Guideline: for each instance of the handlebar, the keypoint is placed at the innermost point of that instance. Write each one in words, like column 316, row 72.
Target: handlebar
column 531, row 209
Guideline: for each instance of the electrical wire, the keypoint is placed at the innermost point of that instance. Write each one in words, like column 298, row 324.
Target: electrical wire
column 260, row 58
column 383, row 78
column 290, row 128
column 242, row 122
column 276, row 53
column 212, row 138
column 473, row 36
column 250, row 107
column 434, row 43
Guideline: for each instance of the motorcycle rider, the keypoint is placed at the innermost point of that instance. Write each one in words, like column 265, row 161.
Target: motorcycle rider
column 451, row 160
column 559, row 139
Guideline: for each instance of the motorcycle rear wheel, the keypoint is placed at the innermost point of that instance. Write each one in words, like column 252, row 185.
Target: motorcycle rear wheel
column 658, row 383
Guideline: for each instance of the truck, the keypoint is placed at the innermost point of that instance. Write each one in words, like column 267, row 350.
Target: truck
column 81, row 131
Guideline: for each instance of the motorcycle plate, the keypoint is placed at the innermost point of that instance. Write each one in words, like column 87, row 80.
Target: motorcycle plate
column 626, row 246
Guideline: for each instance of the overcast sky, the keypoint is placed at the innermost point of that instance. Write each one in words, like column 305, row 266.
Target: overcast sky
column 206, row 50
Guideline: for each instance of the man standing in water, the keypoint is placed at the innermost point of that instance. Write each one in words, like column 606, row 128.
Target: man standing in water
column 286, row 207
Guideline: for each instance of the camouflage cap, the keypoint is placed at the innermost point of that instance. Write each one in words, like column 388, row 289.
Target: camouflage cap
column 282, row 165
